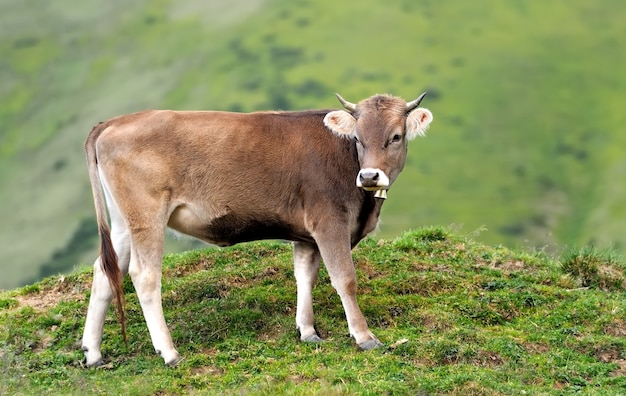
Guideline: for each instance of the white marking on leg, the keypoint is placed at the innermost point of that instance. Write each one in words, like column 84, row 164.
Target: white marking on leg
column 306, row 259
column 99, row 302
column 145, row 272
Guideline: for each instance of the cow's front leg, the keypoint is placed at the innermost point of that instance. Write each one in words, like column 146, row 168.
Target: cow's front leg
column 337, row 255
column 306, row 261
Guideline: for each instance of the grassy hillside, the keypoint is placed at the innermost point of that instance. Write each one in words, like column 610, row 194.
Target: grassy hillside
column 527, row 97
column 457, row 317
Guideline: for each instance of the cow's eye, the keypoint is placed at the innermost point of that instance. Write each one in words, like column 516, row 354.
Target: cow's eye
column 396, row 138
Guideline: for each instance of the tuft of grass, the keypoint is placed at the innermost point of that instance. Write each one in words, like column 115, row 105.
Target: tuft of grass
column 595, row 268
column 6, row 303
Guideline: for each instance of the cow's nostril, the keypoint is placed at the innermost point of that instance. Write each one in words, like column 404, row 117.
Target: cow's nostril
column 372, row 178
column 369, row 178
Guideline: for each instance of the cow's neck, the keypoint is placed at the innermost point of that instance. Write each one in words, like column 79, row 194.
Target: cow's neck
column 368, row 216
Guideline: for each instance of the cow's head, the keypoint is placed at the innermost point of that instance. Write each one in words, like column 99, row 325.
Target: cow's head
column 381, row 127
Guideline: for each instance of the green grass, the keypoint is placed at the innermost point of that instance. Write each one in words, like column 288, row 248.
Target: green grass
column 457, row 317
column 527, row 98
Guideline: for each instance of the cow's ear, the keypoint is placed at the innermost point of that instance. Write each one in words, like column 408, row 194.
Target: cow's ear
column 417, row 122
column 340, row 122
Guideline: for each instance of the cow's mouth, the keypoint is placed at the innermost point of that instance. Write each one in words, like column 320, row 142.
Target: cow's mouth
column 372, row 188
column 380, row 191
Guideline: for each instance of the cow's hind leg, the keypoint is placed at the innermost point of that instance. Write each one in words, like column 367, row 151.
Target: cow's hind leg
column 306, row 259
column 101, row 293
column 145, row 272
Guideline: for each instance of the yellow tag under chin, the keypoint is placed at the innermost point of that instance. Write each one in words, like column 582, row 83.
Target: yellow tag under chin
column 382, row 194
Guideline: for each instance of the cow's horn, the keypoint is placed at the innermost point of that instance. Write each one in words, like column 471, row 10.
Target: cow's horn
column 348, row 105
column 412, row 105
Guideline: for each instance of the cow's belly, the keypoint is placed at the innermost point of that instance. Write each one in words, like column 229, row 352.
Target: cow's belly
column 229, row 228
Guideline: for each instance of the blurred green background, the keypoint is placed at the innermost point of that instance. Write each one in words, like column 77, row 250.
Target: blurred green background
column 528, row 97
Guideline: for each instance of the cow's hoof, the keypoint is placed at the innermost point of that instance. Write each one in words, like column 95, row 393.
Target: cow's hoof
column 312, row 338
column 93, row 359
column 95, row 364
column 371, row 344
column 174, row 362
column 171, row 359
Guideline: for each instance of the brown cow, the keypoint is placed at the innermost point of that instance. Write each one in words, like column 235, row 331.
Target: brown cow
column 227, row 178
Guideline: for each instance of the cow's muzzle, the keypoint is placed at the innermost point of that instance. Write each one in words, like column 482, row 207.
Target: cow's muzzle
column 372, row 179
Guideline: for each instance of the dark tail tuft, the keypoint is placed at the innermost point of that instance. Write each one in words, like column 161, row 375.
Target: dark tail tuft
column 108, row 259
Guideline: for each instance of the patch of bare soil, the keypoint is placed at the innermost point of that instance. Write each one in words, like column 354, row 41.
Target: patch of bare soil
column 621, row 371
column 207, row 370
column 506, row 266
column 368, row 269
column 534, row 347
column 616, row 328
column 488, row 359
column 182, row 271
column 513, row 265
column 61, row 291
column 612, row 355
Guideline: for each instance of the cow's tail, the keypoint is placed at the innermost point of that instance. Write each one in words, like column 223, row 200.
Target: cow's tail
column 108, row 257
